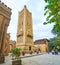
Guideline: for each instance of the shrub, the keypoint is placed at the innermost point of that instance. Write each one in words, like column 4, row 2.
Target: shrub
column 16, row 51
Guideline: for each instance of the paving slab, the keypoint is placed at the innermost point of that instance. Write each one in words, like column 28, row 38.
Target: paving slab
column 43, row 59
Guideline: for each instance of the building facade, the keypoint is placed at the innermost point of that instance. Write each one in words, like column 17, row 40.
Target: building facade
column 25, row 31
column 7, row 46
column 42, row 45
column 5, row 16
column 12, row 45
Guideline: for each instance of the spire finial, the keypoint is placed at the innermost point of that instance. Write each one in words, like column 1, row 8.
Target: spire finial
column 24, row 6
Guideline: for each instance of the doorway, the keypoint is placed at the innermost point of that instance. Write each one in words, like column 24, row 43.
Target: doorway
column 29, row 48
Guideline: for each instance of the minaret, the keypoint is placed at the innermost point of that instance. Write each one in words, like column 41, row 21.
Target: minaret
column 25, row 30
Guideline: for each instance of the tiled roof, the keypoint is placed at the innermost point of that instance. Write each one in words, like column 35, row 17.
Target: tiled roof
column 41, row 41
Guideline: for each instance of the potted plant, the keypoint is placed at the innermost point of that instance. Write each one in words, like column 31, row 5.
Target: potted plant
column 17, row 59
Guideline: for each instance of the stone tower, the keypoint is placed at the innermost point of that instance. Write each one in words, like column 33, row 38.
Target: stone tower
column 5, row 16
column 25, row 31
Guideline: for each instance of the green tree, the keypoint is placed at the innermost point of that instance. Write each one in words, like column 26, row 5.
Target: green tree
column 56, row 29
column 54, row 43
column 52, row 9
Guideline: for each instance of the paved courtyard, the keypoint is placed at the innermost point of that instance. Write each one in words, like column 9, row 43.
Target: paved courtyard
column 44, row 59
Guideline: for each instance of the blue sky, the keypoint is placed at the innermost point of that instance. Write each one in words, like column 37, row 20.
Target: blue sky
column 40, row 31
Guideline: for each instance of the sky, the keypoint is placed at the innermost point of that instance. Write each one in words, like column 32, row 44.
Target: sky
column 36, row 7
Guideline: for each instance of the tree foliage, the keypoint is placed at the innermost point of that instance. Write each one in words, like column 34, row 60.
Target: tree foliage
column 54, row 43
column 16, row 50
column 56, row 29
column 53, row 10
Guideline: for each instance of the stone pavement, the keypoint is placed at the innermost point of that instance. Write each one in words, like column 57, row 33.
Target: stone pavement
column 7, row 61
column 42, row 59
column 45, row 59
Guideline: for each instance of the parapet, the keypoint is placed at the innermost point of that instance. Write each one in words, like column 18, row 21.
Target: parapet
column 5, row 6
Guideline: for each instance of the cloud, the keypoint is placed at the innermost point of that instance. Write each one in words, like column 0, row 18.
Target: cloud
column 42, row 31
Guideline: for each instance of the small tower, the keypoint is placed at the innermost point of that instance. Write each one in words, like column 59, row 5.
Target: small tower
column 25, row 30
column 5, row 16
